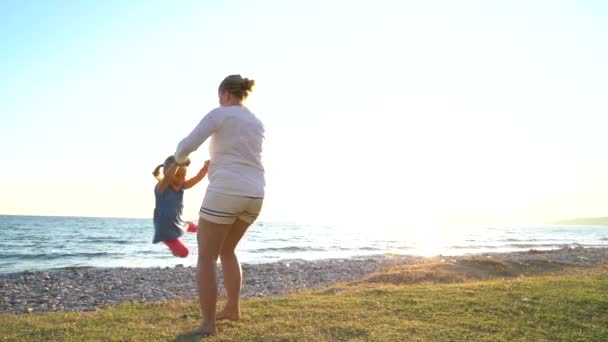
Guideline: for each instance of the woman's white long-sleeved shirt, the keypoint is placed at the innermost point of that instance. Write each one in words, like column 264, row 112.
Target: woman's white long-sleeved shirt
column 237, row 136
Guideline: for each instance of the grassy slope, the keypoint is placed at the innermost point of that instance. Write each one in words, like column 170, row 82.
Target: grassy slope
column 568, row 307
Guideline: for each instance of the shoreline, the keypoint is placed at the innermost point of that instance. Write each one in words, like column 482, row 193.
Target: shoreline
column 90, row 288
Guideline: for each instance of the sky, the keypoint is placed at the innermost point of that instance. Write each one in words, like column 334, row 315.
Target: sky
column 376, row 112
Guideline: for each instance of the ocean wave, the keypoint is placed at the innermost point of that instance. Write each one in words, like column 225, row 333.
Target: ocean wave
column 53, row 256
column 528, row 240
column 368, row 249
column 290, row 249
column 116, row 242
column 514, row 245
column 473, row 247
column 8, row 246
column 340, row 248
column 542, row 245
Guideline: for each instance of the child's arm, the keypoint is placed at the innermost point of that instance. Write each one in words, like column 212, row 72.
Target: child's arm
column 166, row 181
column 199, row 177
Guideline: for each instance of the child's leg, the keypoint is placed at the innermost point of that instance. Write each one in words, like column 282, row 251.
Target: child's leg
column 192, row 228
column 177, row 247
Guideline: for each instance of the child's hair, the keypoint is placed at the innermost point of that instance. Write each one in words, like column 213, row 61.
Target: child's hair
column 165, row 166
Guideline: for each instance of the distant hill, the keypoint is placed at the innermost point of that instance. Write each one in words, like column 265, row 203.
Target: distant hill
column 592, row 221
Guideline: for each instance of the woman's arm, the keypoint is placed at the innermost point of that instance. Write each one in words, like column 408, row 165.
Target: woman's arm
column 166, row 181
column 199, row 177
column 197, row 137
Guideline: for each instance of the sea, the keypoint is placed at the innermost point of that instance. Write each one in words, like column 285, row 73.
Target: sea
column 30, row 243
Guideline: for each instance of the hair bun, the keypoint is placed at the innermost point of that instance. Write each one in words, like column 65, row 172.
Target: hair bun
column 248, row 84
column 237, row 85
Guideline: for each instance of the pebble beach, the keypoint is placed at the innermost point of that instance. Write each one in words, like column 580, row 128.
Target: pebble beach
column 87, row 289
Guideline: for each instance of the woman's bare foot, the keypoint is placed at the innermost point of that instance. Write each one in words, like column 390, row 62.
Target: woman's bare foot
column 204, row 330
column 230, row 315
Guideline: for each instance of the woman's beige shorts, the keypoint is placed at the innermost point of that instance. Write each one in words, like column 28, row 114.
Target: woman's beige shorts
column 225, row 209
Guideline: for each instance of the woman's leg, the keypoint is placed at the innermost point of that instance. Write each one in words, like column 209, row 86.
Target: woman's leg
column 210, row 238
column 231, row 269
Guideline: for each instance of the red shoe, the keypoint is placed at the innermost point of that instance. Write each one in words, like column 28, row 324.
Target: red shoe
column 192, row 228
column 177, row 247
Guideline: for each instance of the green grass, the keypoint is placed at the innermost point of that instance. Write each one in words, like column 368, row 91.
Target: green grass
column 561, row 307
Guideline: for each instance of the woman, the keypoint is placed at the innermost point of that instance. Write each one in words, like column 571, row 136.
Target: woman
column 234, row 196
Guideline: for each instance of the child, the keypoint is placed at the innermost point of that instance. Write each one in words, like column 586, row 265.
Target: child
column 169, row 194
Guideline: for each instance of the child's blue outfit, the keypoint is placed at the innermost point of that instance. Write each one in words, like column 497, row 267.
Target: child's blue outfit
column 168, row 224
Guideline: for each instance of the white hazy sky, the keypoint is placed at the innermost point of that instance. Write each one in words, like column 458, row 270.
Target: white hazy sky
column 376, row 111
